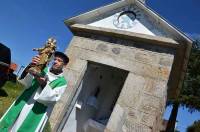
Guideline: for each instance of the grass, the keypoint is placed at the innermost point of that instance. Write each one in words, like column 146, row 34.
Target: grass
column 8, row 94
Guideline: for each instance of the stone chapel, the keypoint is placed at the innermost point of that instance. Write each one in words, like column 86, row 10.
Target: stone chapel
column 125, row 61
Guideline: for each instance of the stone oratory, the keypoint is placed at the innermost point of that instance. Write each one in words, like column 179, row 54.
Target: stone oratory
column 125, row 61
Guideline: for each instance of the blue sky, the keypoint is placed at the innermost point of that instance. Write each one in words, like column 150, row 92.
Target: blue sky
column 26, row 24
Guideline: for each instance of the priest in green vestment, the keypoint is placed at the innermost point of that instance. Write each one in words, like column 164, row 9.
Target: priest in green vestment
column 31, row 110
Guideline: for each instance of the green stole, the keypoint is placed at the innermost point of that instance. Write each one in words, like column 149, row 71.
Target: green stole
column 35, row 114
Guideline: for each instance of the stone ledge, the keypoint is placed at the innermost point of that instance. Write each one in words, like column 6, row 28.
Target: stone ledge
column 162, row 41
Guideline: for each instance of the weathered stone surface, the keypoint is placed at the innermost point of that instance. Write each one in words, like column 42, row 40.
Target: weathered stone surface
column 136, row 116
column 116, row 51
column 131, row 92
column 76, row 64
column 145, row 57
column 166, row 61
column 116, row 120
column 155, row 88
column 134, row 127
column 142, row 55
column 141, row 110
column 150, row 104
column 139, row 68
column 55, row 117
column 102, row 47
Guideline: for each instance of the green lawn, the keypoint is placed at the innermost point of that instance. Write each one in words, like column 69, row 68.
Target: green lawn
column 8, row 93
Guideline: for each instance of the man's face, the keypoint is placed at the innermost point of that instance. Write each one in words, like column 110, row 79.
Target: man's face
column 57, row 63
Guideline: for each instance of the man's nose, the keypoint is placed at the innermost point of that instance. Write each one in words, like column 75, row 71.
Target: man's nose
column 55, row 61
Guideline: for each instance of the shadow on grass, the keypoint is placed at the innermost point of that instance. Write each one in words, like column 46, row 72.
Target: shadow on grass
column 3, row 93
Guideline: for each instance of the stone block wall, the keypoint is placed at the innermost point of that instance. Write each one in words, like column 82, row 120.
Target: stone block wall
column 141, row 103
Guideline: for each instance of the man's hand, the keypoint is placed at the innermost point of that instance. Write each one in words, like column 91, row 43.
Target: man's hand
column 42, row 81
column 35, row 60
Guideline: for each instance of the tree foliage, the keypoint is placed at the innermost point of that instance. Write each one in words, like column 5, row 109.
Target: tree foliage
column 195, row 127
column 190, row 92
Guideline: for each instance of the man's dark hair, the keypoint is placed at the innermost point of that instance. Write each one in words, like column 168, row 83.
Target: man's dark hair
column 63, row 56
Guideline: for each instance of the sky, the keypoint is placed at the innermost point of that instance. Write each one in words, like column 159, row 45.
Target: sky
column 27, row 24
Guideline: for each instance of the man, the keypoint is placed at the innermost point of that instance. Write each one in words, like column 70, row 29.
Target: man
column 32, row 109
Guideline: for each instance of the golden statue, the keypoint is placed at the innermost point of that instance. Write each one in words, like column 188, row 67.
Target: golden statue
column 45, row 53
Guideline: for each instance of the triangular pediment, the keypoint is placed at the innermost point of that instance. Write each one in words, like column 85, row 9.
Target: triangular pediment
column 129, row 18
column 132, row 16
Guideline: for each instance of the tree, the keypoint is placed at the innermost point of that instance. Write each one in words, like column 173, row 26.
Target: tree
column 190, row 92
column 196, row 43
column 195, row 127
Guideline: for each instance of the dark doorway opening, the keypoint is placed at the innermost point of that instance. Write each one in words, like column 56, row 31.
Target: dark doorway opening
column 100, row 89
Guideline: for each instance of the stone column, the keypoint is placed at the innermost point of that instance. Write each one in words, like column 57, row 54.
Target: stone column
column 141, row 103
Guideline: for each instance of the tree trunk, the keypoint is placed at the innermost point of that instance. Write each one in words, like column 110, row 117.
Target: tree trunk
column 172, row 119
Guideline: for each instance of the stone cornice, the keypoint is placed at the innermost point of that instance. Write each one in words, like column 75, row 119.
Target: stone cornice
column 161, row 41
